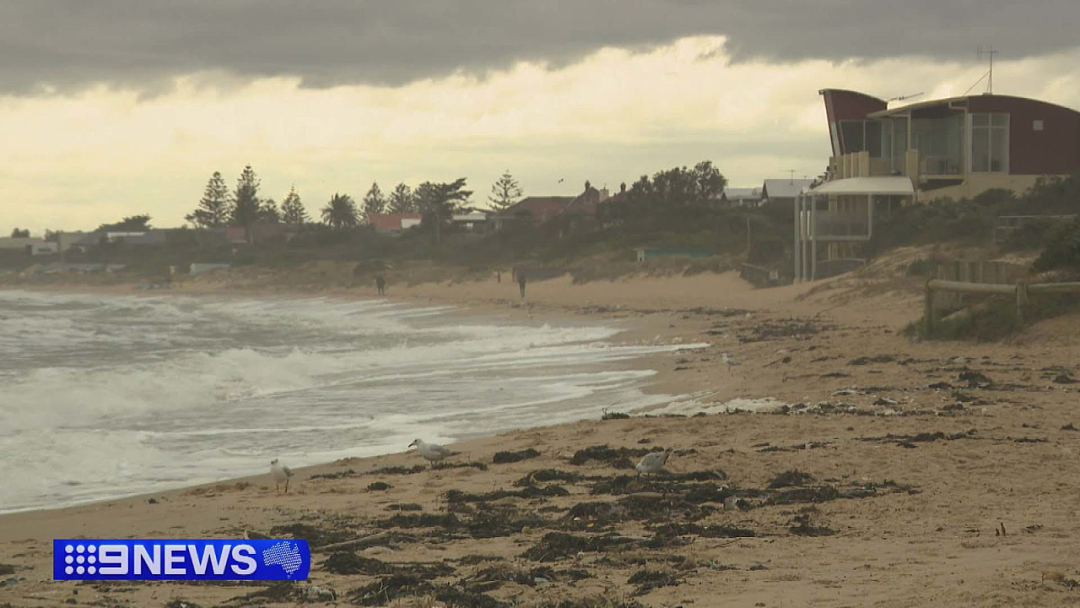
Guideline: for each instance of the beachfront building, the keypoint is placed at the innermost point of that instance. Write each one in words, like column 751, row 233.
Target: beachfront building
column 741, row 197
column 538, row 210
column 393, row 223
column 953, row 148
column 783, row 191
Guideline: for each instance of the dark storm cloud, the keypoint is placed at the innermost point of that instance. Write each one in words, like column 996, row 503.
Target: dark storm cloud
column 75, row 43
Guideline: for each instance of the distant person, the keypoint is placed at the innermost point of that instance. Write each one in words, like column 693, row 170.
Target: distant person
column 521, row 282
column 498, row 276
column 380, row 284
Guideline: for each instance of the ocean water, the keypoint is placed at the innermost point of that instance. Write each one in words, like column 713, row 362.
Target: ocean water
column 103, row 396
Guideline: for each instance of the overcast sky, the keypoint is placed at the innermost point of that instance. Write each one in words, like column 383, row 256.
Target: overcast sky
column 110, row 108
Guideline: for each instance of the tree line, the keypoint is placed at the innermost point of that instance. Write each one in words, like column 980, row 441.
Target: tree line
column 436, row 202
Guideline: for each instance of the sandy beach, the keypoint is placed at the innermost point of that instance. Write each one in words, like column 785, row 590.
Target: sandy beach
column 872, row 471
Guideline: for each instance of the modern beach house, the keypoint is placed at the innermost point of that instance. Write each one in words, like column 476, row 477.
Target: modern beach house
column 947, row 148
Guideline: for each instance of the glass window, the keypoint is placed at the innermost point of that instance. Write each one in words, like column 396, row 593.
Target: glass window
column 873, row 138
column 990, row 143
column 852, row 133
column 980, row 150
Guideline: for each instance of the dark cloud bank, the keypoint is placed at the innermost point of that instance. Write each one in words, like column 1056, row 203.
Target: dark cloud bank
column 135, row 43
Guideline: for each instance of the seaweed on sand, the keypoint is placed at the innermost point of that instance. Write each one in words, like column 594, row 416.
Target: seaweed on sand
column 648, row 580
column 556, row 546
column 508, row 457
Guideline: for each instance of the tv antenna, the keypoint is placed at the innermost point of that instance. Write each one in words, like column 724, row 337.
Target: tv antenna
column 989, row 52
column 903, row 97
column 791, row 176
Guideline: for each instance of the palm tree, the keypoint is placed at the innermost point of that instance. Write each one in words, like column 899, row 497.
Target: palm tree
column 340, row 212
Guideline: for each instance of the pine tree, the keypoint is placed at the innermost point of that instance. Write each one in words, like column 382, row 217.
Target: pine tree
column 504, row 192
column 439, row 202
column 292, row 210
column 246, row 205
column 402, row 200
column 213, row 210
column 374, row 201
column 269, row 211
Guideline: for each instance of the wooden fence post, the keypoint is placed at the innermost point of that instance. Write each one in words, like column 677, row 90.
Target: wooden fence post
column 929, row 312
column 1021, row 299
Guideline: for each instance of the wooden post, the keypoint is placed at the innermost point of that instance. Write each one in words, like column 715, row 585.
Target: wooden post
column 929, row 312
column 1021, row 299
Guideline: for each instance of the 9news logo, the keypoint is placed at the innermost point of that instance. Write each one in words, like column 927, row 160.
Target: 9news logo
column 164, row 560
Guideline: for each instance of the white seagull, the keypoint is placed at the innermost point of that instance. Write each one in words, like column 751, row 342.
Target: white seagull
column 653, row 462
column 729, row 362
column 430, row 451
column 280, row 473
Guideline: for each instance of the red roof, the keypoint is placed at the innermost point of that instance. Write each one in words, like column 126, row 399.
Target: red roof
column 542, row 208
column 390, row 222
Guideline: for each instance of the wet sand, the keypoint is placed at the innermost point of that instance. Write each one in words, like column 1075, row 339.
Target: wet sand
column 886, row 473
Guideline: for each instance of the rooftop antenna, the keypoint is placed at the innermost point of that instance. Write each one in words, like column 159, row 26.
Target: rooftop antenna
column 791, row 177
column 989, row 52
column 903, row 97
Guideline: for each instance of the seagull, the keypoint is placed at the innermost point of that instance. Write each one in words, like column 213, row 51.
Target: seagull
column 653, row 462
column 430, row 451
column 729, row 362
column 280, row 473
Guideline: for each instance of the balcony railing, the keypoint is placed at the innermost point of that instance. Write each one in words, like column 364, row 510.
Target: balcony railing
column 837, row 225
column 940, row 165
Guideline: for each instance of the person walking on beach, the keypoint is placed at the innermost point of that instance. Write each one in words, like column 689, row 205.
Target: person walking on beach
column 380, row 284
column 521, row 281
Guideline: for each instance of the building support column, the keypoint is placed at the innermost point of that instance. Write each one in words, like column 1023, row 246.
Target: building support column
column 813, row 240
column 797, row 251
column 869, row 216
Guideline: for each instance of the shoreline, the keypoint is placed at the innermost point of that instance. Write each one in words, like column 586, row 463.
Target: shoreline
column 629, row 332
column 884, row 481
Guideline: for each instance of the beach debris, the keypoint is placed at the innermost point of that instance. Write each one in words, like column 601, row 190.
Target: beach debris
column 280, row 474
column 797, row 329
column 379, row 486
column 509, row 457
column 363, row 541
column 431, row 452
column 179, row 603
column 335, row 475
column 458, row 496
column 803, row 526
column 6, row 569
column 908, row 441
column 618, row 458
column 609, row 415
column 975, row 379
column 648, row 580
column 1069, row 427
column 555, row 546
column 386, row 590
column 791, row 478
column 653, row 462
column 873, row 359
column 546, row 475
column 314, row 593
column 277, row 592
column 344, row 562
column 671, row 530
column 405, row 506
column 315, row 535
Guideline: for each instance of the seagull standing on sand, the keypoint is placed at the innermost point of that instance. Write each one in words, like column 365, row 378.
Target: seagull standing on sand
column 729, row 362
column 431, row 452
column 653, row 462
column 280, row 473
